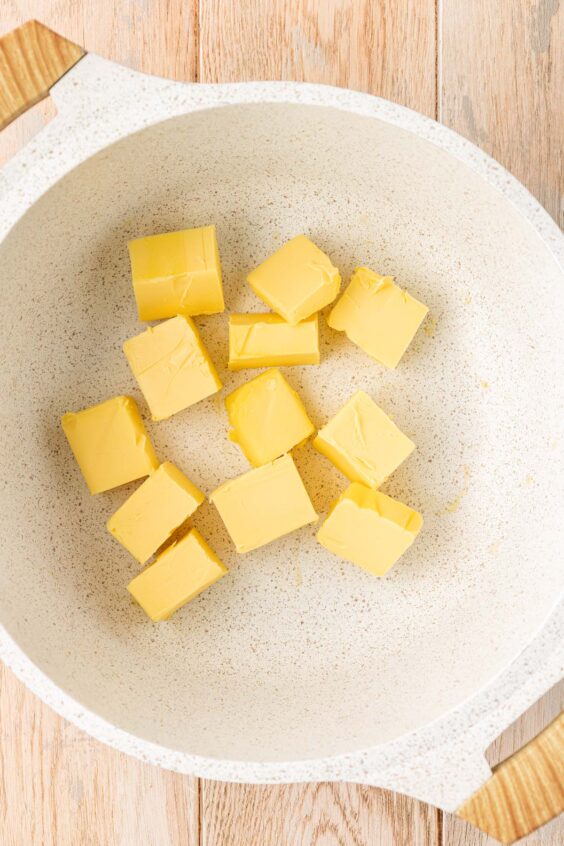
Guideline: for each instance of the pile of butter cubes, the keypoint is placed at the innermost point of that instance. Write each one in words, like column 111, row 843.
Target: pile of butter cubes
column 178, row 275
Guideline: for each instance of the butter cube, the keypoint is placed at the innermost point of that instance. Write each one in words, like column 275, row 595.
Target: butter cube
column 110, row 443
column 377, row 316
column 152, row 513
column 362, row 441
column 177, row 273
column 369, row 529
column 180, row 573
column 172, row 366
column 264, row 504
column 297, row 280
column 267, row 340
column 268, row 417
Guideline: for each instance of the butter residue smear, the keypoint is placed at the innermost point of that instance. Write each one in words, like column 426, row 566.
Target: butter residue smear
column 177, row 275
column 453, row 506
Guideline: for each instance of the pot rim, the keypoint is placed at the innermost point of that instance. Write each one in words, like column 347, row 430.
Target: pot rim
column 98, row 86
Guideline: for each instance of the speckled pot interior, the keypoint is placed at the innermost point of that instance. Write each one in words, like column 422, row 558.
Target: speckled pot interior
column 295, row 655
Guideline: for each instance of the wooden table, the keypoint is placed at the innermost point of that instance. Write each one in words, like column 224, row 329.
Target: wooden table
column 491, row 70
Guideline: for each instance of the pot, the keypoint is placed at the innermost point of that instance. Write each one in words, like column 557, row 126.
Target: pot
column 297, row 667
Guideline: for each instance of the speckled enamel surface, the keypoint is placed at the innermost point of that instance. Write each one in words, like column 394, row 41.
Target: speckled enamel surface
column 296, row 666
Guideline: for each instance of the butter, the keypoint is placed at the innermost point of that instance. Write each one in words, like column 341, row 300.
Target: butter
column 377, row 316
column 110, row 443
column 264, row 504
column 154, row 511
column 177, row 273
column 172, row 366
column 268, row 417
column 180, row 573
column 369, row 529
column 362, row 441
column 297, row 280
column 267, row 340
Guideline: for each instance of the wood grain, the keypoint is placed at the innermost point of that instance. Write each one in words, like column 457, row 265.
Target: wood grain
column 336, row 43
column 524, row 792
column 497, row 85
column 313, row 814
column 501, row 73
column 154, row 37
column 58, row 787
column 386, row 48
column 32, row 59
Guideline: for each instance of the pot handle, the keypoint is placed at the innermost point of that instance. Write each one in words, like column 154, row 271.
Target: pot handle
column 32, row 59
column 524, row 792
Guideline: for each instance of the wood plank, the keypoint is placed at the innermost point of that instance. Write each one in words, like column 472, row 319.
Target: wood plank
column 456, row 832
column 59, row 787
column 388, row 49
column 500, row 70
column 313, row 814
column 501, row 73
column 158, row 37
column 391, row 53
column 385, row 48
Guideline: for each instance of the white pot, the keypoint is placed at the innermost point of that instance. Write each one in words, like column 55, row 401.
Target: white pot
column 297, row 667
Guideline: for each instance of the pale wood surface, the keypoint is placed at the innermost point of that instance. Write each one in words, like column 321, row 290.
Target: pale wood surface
column 491, row 71
column 386, row 48
column 502, row 75
column 313, row 815
column 58, row 787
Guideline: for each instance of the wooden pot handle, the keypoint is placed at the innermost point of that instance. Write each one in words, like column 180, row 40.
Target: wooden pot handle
column 524, row 792
column 32, row 59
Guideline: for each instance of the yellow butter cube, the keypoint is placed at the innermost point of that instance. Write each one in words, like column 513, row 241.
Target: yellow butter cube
column 377, row 316
column 362, row 441
column 110, row 443
column 268, row 417
column 369, row 529
column 152, row 513
column 180, row 573
column 172, row 366
column 264, row 504
column 177, row 273
column 267, row 340
column 297, row 280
